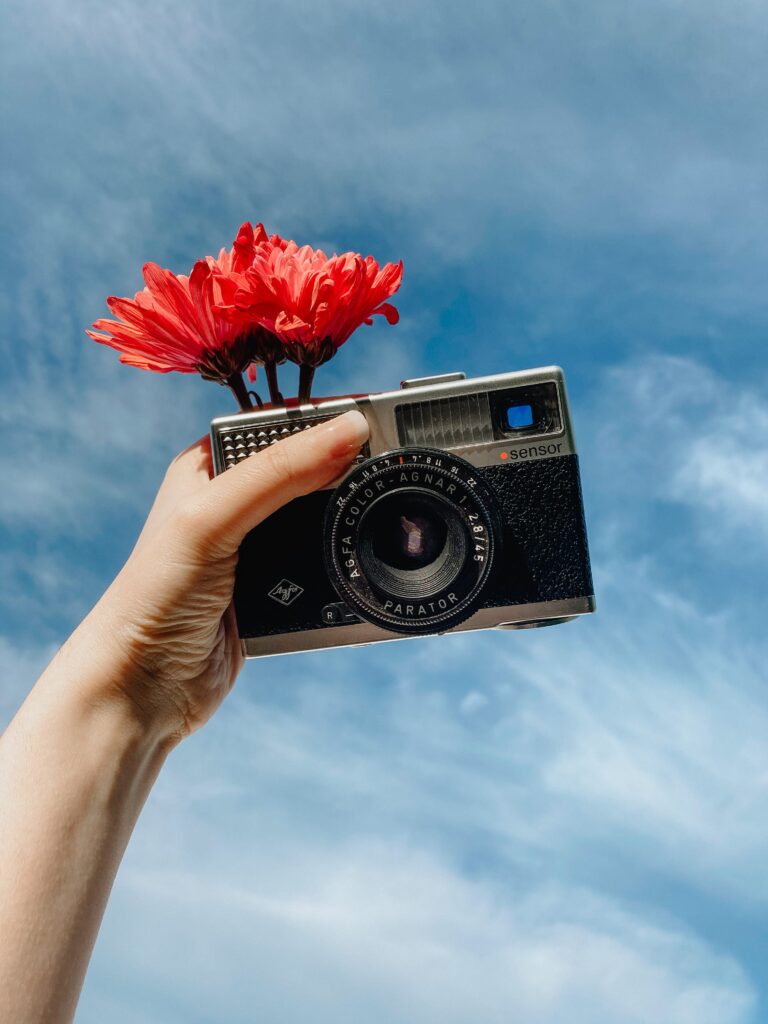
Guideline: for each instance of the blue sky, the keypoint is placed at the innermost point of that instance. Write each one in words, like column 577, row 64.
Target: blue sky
column 558, row 825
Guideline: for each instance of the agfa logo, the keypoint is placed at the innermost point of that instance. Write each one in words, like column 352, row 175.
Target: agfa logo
column 285, row 592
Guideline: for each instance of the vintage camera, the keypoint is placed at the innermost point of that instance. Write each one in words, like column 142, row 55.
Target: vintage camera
column 463, row 511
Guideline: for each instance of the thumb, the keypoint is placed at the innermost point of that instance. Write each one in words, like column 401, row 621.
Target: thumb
column 246, row 494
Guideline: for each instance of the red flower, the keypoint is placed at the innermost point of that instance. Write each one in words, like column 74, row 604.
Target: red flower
column 311, row 302
column 262, row 302
column 249, row 240
column 174, row 323
column 267, row 349
column 170, row 325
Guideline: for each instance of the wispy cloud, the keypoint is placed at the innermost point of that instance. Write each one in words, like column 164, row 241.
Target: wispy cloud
column 674, row 431
column 433, row 130
column 94, row 448
column 398, row 852
column 384, row 932
column 565, row 824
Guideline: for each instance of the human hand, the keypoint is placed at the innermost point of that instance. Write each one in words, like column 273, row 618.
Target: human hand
column 163, row 639
column 151, row 663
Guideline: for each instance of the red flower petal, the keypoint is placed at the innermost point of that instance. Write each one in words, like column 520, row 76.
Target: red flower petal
column 240, row 306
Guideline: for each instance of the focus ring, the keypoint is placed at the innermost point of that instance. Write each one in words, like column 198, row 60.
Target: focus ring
column 435, row 598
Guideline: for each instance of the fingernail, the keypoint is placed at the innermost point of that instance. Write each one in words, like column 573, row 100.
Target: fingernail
column 347, row 434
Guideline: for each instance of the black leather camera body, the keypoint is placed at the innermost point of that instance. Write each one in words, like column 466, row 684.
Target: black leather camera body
column 464, row 511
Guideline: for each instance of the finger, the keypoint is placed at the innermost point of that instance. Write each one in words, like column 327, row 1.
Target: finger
column 237, row 500
column 187, row 474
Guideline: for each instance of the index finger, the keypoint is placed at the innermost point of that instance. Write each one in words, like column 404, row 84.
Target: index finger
column 233, row 503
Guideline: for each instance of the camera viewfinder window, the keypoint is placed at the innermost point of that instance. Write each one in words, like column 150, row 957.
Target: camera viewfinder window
column 522, row 411
column 519, row 416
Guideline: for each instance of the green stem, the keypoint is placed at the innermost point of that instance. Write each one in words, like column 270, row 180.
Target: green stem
column 306, row 373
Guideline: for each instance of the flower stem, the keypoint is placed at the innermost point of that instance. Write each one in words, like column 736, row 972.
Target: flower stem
column 306, row 373
column 236, row 384
column 270, row 368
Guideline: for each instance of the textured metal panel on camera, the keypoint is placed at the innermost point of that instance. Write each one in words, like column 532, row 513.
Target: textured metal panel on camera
column 239, row 443
column 446, row 422
column 542, row 508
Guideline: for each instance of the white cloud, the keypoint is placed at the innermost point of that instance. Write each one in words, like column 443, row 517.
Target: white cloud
column 356, row 835
column 472, row 702
column 671, row 430
column 326, row 825
column 417, row 145
column 725, row 471
column 372, row 850
column 659, row 743
column 88, row 456
column 383, row 933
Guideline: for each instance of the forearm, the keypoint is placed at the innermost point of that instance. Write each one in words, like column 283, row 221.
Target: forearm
column 148, row 666
column 74, row 773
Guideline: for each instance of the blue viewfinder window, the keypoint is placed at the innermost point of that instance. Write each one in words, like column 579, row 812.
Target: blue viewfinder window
column 519, row 416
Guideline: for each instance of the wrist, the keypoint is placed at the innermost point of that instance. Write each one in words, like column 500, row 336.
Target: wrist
column 95, row 674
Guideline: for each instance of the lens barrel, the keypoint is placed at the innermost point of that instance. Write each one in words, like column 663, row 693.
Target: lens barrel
column 410, row 539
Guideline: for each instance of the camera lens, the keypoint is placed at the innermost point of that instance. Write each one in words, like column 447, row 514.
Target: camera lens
column 411, row 544
column 410, row 538
column 407, row 534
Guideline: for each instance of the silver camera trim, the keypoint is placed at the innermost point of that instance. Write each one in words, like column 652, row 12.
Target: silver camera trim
column 380, row 411
column 360, row 634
